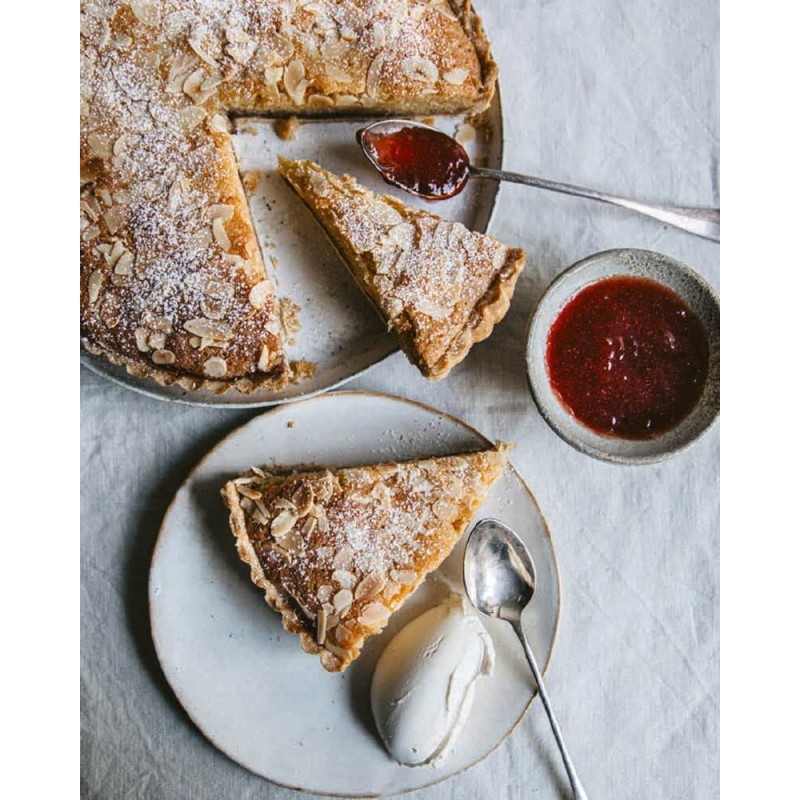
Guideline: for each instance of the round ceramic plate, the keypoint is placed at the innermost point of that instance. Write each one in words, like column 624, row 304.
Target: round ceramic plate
column 341, row 333
column 245, row 681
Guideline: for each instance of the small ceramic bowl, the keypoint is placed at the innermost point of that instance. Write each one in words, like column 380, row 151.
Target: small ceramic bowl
column 682, row 280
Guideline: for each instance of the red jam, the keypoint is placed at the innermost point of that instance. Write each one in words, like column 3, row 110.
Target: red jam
column 420, row 160
column 627, row 358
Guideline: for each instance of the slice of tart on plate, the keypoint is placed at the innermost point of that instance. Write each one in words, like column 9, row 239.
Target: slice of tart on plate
column 439, row 286
column 337, row 551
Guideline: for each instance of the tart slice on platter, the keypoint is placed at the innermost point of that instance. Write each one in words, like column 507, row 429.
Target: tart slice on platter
column 337, row 551
column 439, row 286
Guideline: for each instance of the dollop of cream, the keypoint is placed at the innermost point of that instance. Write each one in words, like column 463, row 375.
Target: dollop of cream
column 424, row 682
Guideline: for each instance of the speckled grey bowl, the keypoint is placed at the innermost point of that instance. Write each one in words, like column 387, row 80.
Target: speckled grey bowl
column 696, row 293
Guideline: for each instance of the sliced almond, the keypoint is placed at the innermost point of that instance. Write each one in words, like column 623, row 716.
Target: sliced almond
column 163, row 357
column 220, row 234
column 342, row 601
column 403, row 576
column 157, row 340
column 100, row 145
column 344, row 557
column 374, row 615
column 325, row 593
column 124, row 265
column 420, row 69
column 95, row 284
column 309, row 524
column 322, row 621
column 223, row 211
column 260, row 293
column 456, row 76
column 215, row 367
column 263, row 359
column 142, row 335
column 294, row 81
column 283, row 523
column 370, row 586
column 303, row 499
column 209, row 329
column 344, row 578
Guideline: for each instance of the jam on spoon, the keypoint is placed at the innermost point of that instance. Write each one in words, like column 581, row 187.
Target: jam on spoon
column 627, row 357
column 418, row 159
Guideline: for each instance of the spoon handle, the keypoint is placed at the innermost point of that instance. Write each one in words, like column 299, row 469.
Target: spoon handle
column 703, row 222
column 577, row 790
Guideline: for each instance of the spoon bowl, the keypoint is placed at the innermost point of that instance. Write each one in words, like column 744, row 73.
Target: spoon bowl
column 499, row 574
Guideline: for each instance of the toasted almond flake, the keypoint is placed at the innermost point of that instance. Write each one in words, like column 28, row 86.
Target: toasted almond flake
column 319, row 101
column 344, row 557
column 263, row 359
column 99, row 144
column 335, row 73
column 378, row 35
column 142, row 335
column 303, row 499
column 293, row 542
column 293, row 81
column 260, row 293
column 192, row 116
column 342, row 634
column 146, row 11
column 344, row 578
column 157, row 340
column 215, row 367
column 346, row 100
column 322, row 621
column 308, row 526
column 374, row 74
column 114, row 218
column 342, row 601
column 192, row 84
column 283, row 502
column 456, row 76
column 403, row 576
column 163, row 357
column 248, row 491
column 105, row 196
column 212, row 308
column 445, row 510
column 220, row 234
column 96, row 280
column 420, row 69
column 219, row 123
column 325, row 593
column 283, row 523
column 209, row 329
column 374, row 615
column 223, row 211
column 197, row 45
column 124, row 265
column 337, row 651
column 370, row 586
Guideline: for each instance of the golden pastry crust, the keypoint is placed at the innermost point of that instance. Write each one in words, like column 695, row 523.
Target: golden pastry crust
column 337, row 552
column 439, row 286
column 172, row 279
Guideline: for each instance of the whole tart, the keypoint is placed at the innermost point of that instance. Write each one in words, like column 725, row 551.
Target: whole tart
column 173, row 285
column 439, row 286
column 336, row 552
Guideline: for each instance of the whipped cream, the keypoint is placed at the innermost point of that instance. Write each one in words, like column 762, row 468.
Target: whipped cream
column 424, row 682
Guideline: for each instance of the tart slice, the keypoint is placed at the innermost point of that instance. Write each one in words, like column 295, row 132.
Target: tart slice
column 336, row 552
column 438, row 285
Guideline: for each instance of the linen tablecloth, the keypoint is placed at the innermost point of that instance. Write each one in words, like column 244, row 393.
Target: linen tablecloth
column 616, row 94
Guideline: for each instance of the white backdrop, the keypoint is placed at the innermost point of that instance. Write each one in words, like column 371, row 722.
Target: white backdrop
column 617, row 94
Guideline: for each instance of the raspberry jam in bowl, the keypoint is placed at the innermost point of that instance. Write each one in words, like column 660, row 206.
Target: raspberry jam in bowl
column 623, row 356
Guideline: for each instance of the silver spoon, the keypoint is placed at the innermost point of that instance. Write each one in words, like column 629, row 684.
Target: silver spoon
column 703, row 222
column 500, row 579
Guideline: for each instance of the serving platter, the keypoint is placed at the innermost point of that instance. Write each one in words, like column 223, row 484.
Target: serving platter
column 341, row 333
column 246, row 683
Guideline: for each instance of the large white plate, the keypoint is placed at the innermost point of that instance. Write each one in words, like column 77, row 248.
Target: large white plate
column 341, row 332
column 247, row 684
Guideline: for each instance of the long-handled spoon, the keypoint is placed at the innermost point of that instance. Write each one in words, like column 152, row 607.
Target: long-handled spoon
column 427, row 162
column 500, row 579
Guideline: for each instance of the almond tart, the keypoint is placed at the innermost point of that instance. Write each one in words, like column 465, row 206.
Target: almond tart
column 439, row 286
column 336, row 552
column 173, row 285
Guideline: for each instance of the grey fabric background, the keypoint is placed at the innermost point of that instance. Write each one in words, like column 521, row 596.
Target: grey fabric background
column 619, row 94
